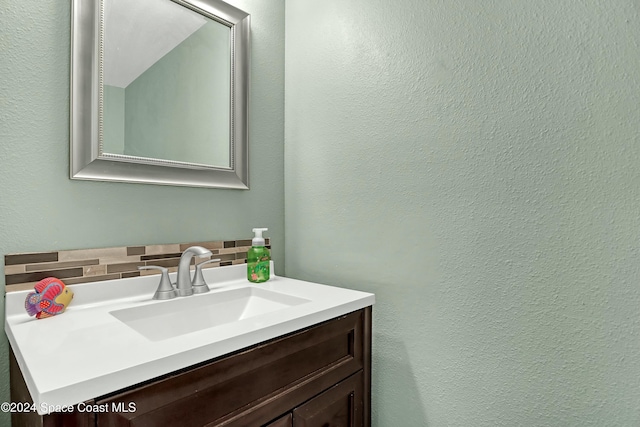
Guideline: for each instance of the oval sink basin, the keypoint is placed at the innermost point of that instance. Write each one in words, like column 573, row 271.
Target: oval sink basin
column 168, row 319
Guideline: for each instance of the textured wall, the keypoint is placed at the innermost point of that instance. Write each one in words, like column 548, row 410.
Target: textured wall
column 42, row 209
column 477, row 166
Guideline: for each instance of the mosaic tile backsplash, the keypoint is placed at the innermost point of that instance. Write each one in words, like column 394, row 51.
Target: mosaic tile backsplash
column 24, row 270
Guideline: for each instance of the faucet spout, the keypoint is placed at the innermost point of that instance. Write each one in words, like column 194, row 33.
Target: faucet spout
column 184, row 284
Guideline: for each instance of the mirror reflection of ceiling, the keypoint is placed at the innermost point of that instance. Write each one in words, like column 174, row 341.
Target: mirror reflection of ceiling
column 138, row 33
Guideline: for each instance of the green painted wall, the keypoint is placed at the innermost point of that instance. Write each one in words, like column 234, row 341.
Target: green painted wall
column 181, row 103
column 477, row 166
column 42, row 209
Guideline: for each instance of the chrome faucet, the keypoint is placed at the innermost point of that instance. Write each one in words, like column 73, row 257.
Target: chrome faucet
column 183, row 284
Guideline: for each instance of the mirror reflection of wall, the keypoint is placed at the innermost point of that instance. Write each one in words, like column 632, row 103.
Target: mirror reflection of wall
column 166, row 83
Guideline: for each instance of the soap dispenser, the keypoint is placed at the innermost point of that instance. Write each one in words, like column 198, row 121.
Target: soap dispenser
column 258, row 259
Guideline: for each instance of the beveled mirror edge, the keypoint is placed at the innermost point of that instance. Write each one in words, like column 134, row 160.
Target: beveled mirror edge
column 85, row 160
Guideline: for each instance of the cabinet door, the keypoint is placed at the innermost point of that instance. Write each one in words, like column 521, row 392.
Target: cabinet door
column 285, row 421
column 340, row 406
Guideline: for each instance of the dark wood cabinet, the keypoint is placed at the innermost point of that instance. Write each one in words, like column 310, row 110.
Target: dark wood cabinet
column 285, row 421
column 319, row 376
column 340, row 406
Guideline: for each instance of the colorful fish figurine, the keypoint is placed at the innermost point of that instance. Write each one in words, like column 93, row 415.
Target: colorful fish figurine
column 51, row 297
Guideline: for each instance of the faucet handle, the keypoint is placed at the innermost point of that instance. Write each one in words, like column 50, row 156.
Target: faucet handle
column 165, row 289
column 199, row 285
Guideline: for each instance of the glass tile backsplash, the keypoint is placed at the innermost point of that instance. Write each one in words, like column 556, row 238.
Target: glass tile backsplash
column 22, row 271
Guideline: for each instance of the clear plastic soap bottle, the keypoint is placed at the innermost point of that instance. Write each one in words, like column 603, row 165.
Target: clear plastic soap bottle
column 258, row 259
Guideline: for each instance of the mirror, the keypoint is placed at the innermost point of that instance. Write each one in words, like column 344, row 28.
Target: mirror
column 159, row 92
column 166, row 83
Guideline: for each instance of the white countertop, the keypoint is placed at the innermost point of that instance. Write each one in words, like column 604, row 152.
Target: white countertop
column 86, row 352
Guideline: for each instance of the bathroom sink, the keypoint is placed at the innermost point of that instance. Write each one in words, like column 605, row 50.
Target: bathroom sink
column 169, row 319
column 118, row 336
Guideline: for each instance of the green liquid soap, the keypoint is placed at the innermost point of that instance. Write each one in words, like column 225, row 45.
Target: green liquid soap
column 258, row 259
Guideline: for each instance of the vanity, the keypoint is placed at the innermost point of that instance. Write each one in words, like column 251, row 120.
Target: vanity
column 282, row 353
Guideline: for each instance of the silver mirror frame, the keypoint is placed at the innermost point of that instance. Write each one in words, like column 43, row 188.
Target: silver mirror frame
column 86, row 161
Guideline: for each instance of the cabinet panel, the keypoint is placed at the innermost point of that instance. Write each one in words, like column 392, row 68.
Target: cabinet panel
column 340, row 406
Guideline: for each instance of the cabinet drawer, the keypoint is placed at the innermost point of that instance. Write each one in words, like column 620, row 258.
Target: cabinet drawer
column 253, row 386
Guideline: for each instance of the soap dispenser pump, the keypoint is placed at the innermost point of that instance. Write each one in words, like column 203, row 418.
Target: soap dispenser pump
column 258, row 258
